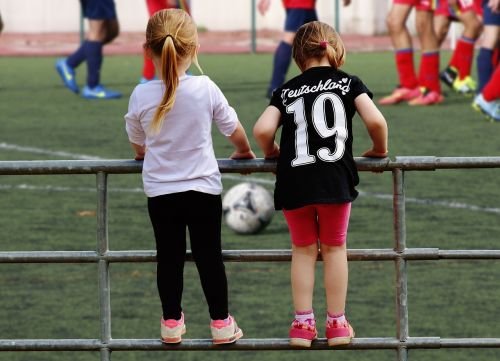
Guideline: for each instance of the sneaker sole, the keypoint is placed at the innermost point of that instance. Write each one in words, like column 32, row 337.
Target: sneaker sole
column 415, row 104
column 488, row 117
column 338, row 341
column 232, row 339
column 92, row 97
column 177, row 339
column 300, row 342
column 395, row 100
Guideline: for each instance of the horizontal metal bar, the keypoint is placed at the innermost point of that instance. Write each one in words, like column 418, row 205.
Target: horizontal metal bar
column 271, row 344
column 272, row 255
column 51, row 345
column 124, row 166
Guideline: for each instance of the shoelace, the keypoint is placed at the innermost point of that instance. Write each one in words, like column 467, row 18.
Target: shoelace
column 304, row 325
column 337, row 324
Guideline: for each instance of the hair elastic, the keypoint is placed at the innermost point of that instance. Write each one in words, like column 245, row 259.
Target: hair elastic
column 323, row 44
column 169, row 35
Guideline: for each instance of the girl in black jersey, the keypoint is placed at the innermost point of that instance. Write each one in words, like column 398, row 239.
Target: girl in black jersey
column 316, row 174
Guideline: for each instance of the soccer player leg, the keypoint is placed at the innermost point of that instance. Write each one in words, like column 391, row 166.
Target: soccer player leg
column 489, row 42
column 428, row 77
column 403, row 49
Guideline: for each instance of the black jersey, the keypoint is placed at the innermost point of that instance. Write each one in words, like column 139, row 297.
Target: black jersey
column 316, row 163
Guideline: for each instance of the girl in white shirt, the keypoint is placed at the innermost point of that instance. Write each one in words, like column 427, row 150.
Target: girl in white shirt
column 169, row 126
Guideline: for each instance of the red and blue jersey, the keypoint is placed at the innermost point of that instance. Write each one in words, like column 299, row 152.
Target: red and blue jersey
column 299, row 4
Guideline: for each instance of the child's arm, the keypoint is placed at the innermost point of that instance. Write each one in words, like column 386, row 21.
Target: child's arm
column 241, row 143
column 140, row 151
column 264, row 132
column 375, row 124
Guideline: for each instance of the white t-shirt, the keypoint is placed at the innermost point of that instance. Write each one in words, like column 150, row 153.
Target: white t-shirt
column 180, row 157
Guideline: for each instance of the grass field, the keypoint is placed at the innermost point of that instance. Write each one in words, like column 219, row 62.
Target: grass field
column 39, row 117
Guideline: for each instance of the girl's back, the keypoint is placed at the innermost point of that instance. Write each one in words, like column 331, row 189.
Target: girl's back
column 181, row 154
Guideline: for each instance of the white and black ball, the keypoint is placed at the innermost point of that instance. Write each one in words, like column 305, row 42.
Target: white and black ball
column 248, row 208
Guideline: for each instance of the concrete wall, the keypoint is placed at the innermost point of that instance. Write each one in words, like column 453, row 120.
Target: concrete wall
column 362, row 16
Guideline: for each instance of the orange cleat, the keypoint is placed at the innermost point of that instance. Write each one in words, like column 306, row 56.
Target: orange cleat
column 427, row 97
column 400, row 95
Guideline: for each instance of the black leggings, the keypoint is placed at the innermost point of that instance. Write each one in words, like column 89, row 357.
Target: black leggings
column 201, row 213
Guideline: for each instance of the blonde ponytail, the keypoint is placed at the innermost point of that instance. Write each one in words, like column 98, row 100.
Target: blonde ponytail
column 171, row 35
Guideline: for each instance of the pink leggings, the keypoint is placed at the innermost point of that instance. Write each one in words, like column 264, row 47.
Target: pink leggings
column 326, row 222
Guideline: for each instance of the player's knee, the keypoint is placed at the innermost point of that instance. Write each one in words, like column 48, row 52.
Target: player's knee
column 394, row 24
column 472, row 28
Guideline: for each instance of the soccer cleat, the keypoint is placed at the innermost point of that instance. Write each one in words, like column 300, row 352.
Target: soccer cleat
column 67, row 75
column 339, row 333
column 427, row 97
column 466, row 86
column 99, row 92
column 302, row 334
column 399, row 95
column 448, row 76
column 225, row 332
column 172, row 330
column 490, row 109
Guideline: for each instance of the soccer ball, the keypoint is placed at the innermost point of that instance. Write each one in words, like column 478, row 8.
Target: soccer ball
column 248, row 208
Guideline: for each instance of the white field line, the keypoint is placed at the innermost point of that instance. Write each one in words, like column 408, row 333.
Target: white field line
column 54, row 153
column 240, row 178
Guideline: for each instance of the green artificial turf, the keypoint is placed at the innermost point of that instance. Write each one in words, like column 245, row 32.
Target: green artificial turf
column 446, row 298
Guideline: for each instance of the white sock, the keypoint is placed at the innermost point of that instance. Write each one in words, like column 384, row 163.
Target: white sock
column 339, row 317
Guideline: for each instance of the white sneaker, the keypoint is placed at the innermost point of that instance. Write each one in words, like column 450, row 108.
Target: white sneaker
column 490, row 109
column 172, row 330
column 223, row 332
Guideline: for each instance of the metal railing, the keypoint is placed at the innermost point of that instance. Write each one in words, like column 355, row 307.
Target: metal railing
column 400, row 255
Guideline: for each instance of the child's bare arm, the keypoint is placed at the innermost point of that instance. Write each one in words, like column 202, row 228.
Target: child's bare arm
column 264, row 132
column 375, row 124
column 140, row 151
column 240, row 141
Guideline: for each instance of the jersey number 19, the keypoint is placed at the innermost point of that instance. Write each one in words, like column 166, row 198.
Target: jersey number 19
column 339, row 129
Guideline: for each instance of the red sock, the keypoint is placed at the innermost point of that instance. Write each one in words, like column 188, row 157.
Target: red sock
column 462, row 57
column 148, row 70
column 429, row 71
column 406, row 69
column 491, row 91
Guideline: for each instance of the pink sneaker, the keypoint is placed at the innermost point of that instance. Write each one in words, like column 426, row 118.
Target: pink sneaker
column 223, row 332
column 303, row 333
column 172, row 330
column 427, row 97
column 400, row 95
column 339, row 333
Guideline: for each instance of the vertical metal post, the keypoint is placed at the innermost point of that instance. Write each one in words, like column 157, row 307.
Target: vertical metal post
column 82, row 25
column 254, row 26
column 102, row 249
column 337, row 16
column 401, row 266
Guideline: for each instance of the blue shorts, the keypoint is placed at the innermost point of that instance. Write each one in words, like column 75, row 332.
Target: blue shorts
column 489, row 17
column 295, row 18
column 99, row 9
